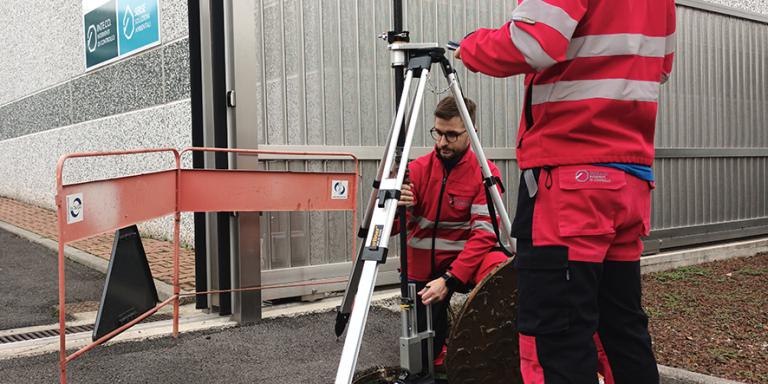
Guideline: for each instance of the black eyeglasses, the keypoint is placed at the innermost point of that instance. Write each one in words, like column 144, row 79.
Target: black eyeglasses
column 449, row 136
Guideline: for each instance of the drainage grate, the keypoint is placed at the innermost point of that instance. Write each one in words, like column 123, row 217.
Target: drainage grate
column 69, row 330
column 44, row 333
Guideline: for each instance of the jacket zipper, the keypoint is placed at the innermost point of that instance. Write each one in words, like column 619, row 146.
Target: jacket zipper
column 528, row 111
column 437, row 221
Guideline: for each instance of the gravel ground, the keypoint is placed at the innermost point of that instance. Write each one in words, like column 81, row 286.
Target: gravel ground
column 712, row 318
column 286, row 350
column 30, row 285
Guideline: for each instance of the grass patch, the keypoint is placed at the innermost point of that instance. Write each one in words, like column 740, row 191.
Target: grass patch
column 672, row 300
column 724, row 355
column 679, row 274
column 749, row 271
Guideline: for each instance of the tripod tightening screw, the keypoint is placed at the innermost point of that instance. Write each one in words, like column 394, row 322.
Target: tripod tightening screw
column 393, row 37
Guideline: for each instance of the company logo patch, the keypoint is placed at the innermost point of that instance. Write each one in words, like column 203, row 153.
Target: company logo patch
column 459, row 201
column 583, row 176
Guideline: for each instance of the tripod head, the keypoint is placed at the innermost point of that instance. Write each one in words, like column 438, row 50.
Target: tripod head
column 418, row 56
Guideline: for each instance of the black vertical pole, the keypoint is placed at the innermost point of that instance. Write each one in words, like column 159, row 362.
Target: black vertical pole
column 397, row 10
column 196, row 96
column 398, row 24
column 219, row 72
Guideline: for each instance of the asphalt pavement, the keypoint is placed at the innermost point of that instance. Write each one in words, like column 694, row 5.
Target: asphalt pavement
column 283, row 350
column 29, row 286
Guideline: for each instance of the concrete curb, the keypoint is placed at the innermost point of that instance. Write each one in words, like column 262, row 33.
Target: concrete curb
column 164, row 290
column 692, row 256
column 671, row 375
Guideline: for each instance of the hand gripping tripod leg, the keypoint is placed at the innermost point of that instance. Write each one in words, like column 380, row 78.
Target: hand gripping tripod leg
column 382, row 207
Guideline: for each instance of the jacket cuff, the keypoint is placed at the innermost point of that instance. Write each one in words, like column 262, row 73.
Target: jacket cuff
column 459, row 274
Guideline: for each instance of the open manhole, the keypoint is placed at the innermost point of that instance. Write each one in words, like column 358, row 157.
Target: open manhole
column 483, row 344
column 377, row 375
column 390, row 375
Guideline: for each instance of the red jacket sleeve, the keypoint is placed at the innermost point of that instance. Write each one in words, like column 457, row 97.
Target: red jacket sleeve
column 536, row 38
column 481, row 239
column 671, row 41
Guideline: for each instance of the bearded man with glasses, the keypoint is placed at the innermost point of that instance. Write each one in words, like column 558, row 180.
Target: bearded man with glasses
column 451, row 240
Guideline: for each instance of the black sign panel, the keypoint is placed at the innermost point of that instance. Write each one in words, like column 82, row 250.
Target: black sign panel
column 129, row 290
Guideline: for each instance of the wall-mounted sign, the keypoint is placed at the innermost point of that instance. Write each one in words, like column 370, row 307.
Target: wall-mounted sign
column 114, row 29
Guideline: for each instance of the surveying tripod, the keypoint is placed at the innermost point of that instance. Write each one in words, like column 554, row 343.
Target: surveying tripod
column 417, row 59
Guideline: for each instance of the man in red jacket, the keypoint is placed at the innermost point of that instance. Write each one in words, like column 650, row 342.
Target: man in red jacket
column 451, row 239
column 585, row 144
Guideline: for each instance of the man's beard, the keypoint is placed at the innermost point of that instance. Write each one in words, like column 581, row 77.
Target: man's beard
column 451, row 155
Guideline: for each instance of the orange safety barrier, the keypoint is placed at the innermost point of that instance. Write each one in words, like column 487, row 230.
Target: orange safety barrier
column 94, row 207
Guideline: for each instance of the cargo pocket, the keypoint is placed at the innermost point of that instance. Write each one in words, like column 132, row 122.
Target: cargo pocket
column 543, row 294
column 588, row 199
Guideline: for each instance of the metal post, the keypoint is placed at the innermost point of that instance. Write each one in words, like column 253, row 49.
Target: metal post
column 242, row 90
column 221, row 140
column 196, row 101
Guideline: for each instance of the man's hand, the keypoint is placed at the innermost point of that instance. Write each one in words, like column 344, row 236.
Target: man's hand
column 457, row 53
column 434, row 291
column 406, row 196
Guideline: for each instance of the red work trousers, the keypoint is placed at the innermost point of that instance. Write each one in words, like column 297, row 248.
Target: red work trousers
column 578, row 265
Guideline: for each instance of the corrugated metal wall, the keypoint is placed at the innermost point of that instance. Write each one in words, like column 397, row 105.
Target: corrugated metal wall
column 713, row 132
column 326, row 81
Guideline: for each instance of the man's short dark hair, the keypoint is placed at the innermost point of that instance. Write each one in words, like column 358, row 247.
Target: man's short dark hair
column 447, row 109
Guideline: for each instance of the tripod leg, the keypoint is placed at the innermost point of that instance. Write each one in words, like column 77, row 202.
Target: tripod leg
column 344, row 311
column 377, row 241
column 453, row 82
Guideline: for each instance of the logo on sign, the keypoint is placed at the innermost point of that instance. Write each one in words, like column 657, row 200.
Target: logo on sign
column 129, row 25
column 339, row 189
column 92, row 40
column 74, row 208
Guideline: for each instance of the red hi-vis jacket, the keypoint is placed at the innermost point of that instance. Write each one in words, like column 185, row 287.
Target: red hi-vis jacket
column 451, row 207
column 594, row 69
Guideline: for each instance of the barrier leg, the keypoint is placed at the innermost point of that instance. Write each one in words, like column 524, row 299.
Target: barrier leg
column 176, row 225
column 62, row 317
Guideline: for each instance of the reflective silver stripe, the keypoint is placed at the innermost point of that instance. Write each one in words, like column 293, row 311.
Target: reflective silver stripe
column 615, row 45
column 615, row 89
column 530, row 48
column 440, row 244
column 539, row 11
column 671, row 42
column 483, row 225
column 425, row 223
column 480, row 210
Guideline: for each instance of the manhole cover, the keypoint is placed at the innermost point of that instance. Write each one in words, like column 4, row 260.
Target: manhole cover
column 483, row 346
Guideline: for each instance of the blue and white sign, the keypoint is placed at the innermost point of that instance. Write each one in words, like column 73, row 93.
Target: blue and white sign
column 114, row 29
column 75, row 209
column 139, row 24
column 339, row 189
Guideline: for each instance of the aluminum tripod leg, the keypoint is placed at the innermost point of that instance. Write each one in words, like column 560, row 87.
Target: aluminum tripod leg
column 345, row 309
column 453, row 82
column 377, row 240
